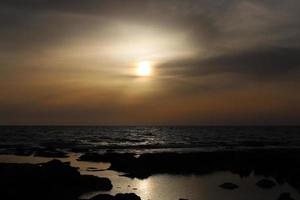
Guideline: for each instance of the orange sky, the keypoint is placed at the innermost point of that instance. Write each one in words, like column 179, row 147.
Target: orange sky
column 213, row 63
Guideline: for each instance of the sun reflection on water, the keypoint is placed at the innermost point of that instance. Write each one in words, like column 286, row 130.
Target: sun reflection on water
column 145, row 187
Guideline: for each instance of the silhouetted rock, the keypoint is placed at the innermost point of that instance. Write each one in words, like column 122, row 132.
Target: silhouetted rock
column 229, row 186
column 103, row 197
column 95, row 183
column 282, row 165
column 265, row 183
column 285, row 196
column 92, row 157
column 107, row 157
column 126, row 196
column 47, row 181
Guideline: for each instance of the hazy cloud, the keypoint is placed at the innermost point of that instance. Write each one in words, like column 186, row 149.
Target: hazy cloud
column 259, row 63
column 73, row 60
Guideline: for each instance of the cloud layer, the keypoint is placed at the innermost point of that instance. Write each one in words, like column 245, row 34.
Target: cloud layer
column 216, row 62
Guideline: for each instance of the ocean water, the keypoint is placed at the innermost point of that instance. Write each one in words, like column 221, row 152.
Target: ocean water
column 155, row 139
column 140, row 139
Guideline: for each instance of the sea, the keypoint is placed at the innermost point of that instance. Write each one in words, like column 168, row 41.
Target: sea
column 18, row 144
column 147, row 139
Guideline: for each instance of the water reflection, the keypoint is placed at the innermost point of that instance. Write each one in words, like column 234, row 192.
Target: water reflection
column 170, row 187
column 145, row 187
column 194, row 187
column 81, row 165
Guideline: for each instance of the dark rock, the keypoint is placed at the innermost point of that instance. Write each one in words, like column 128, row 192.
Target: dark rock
column 126, row 196
column 107, row 157
column 229, row 186
column 265, row 183
column 49, row 181
column 103, row 197
column 95, row 183
column 285, row 196
column 92, row 157
column 282, row 165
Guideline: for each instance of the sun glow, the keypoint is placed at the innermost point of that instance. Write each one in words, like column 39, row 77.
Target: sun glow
column 144, row 68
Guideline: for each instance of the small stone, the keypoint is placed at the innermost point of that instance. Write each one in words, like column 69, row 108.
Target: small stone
column 229, row 186
column 265, row 183
column 285, row 196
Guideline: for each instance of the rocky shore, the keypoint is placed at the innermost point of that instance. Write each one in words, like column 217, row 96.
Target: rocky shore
column 282, row 165
column 52, row 180
column 58, row 180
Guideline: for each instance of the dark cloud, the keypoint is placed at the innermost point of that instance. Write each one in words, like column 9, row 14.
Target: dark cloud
column 210, row 25
column 224, row 48
column 258, row 63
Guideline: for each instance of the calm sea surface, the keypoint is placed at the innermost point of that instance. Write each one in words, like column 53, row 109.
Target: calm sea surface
column 147, row 139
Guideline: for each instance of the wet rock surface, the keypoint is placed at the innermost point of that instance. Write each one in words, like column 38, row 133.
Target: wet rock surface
column 52, row 180
column 107, row 157
column 265, row 183
column 126, row 196
column 282, row 165
column 229, row 186
column 285, row 196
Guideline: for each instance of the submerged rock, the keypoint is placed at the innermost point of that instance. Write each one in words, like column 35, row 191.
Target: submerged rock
column 103, row 197
column 265, row 183
column 119, row 196
column 229, row 186
column 285, row 196
column 127, row 196
column 92, row 157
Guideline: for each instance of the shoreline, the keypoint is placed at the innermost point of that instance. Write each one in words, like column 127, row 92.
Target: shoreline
column 281, row 165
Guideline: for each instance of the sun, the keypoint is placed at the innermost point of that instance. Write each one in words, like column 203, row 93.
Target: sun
column 144, row 68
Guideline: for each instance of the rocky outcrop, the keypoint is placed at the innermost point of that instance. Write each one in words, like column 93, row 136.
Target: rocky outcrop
column 126, row 196
column 229, row 186
column 52, row 180
column 265, row 183
column 285, row 196
column 282, row 165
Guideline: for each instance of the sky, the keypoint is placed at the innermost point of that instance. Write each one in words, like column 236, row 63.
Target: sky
column 225, row 62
